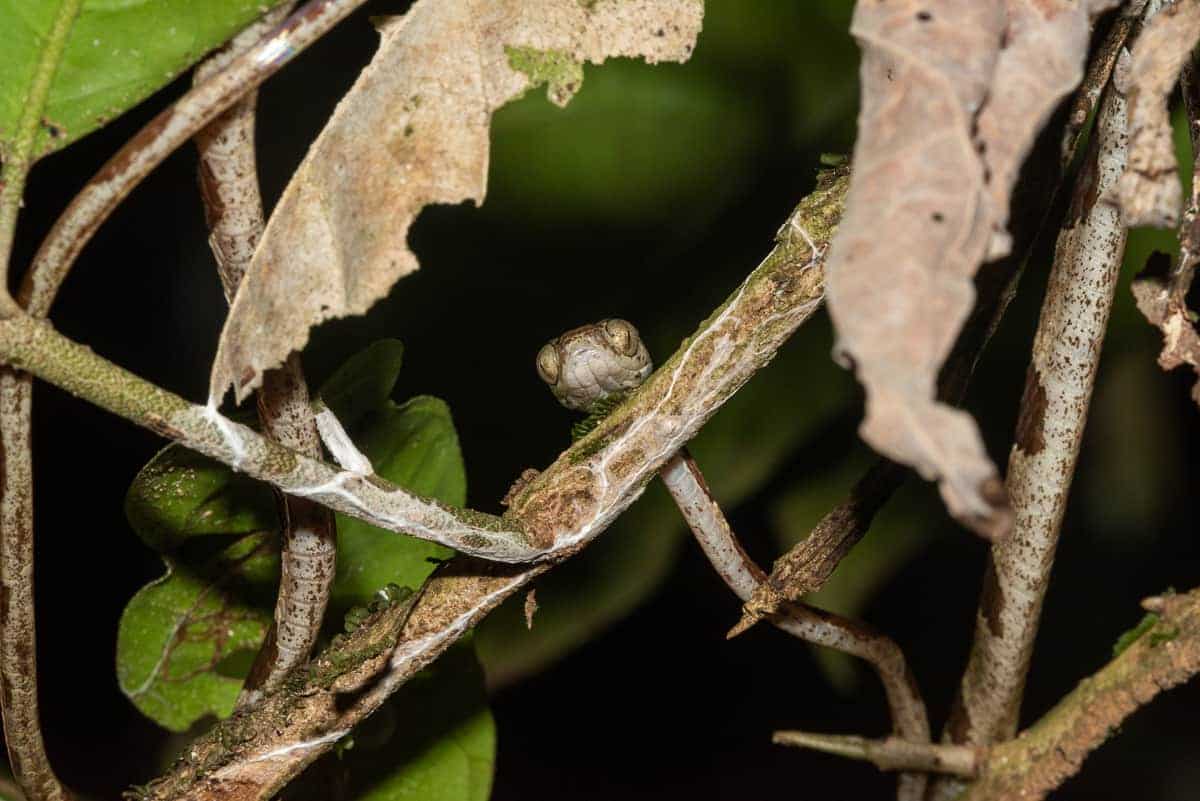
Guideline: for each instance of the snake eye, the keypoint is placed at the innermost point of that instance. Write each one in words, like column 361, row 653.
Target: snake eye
column 622, row 336
column 547, row 363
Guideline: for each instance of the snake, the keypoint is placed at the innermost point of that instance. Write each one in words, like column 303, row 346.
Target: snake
column 592, row 369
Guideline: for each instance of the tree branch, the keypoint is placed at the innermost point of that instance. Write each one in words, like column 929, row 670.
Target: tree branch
column 1159, row 654
column 233, row 209
column 570, row 504
column 34, row 346
column 707, row 522
column 159, row 138
column 1052, row 750
column 1058, row 388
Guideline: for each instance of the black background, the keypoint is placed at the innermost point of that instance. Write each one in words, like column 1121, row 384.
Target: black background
column 660, row 705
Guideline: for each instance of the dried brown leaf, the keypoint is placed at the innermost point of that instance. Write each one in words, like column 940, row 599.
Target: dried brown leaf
column 954, row 94
column 414, row 131
column 1156, row 293
column 1149, row 192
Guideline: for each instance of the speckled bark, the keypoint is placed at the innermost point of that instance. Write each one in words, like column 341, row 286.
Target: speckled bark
column 1053, row 412
column 18, row 645
column 1054, row 748
column 233, row 210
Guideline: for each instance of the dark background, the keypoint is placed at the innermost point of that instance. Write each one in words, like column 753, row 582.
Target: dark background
column 650, row 197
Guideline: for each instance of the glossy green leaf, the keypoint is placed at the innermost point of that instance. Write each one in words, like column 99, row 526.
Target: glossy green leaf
column 365, row 382
column 738, row 450
column 117, row 54
column 217, row 532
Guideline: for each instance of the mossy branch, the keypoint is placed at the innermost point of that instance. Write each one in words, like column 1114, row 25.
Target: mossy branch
column 569, row 504
column 1158, row 654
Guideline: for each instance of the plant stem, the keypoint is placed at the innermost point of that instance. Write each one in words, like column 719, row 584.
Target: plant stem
column 891, row 753
column 1058, row 388
column 704, row 516
column 34, row 346
column 1053, row 749
column 308, row 542
column 159, row 138
column 19, row 156
column 18, row 641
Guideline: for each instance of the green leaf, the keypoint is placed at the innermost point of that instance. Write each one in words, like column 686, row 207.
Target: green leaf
column 442, row 744
column 181, row 495
column 179, row 636
column 365, row 382
column 117, row 53
column 218, row 533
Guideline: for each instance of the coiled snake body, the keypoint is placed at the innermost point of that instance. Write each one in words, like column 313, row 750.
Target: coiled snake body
column 590, row 369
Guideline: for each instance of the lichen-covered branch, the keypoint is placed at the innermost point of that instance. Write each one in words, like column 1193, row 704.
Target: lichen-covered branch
column 570, row 503
column 704, row 516
column 159, row 138
column 233, row 209
column 1160, row 653
column 1058, row 388
column 34, row 346
column 1165, row 655
column 890, row 753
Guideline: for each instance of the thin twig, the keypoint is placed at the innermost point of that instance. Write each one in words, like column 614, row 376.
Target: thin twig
column 159, row 138
column 1058, row 388
column 570, row 503
column 891, row 753
column 806, row 567
column 234, row 211
column 704, row 516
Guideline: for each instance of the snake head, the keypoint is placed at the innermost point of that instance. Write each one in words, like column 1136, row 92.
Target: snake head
column 593, row 362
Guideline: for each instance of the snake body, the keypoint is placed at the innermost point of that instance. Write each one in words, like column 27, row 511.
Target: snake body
column 589, row 369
